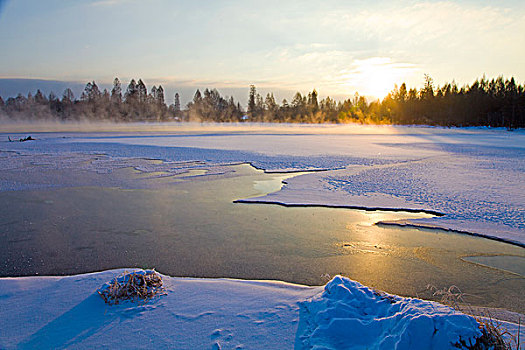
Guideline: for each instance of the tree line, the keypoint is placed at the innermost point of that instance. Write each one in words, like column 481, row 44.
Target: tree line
column 134, row 104
column 498, row 102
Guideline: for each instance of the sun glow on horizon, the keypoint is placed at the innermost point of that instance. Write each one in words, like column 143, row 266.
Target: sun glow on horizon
column 376, row 76
column 378, row 84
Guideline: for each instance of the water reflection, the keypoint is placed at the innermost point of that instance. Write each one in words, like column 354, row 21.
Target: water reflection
column 193, row 228
column 514, row 264
column 371, row 218
column 274, row 183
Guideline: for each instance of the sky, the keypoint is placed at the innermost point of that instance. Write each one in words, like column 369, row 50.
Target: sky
column 337, row 47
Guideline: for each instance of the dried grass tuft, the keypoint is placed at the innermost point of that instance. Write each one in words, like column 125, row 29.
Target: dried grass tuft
column 451, row 296
column 138, row 285
column 492, row 333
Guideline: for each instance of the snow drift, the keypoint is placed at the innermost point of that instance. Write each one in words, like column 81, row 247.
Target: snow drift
column 348, row 315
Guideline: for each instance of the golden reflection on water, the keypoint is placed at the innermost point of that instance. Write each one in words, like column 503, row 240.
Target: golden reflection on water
column 372, row 218
column 274, row 183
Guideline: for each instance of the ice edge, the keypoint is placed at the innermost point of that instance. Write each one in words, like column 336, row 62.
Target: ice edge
column 400, row 223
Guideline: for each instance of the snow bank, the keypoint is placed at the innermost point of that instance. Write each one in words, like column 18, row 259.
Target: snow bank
column 67, row 312
column 348, row 315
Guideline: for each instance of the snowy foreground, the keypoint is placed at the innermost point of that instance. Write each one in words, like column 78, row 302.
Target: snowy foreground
column 67, row 312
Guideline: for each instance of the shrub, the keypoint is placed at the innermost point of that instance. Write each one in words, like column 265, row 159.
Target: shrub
column 137, row 285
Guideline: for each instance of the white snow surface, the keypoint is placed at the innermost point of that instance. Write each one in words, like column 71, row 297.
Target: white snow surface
column 474, row 176
column 67, row 312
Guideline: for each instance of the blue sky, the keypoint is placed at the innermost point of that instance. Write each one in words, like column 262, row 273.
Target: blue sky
column 337, row 47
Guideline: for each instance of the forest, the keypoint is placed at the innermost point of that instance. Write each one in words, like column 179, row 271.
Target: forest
column 498, row 102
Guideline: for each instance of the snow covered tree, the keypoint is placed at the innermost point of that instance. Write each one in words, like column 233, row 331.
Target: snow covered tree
column 116, row 91
column 131, row 92
column 68, row 96
column 40, row 98
column 176, row 103
column 142, row 91
column 153, row 94
column 160, row 96
column 91, row 92
column 197, row 98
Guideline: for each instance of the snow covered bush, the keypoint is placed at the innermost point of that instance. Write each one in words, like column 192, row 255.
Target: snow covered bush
column 141, row 284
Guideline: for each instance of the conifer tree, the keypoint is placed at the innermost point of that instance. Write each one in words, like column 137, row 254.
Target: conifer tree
column 176, row 104
column 131, row 92
column 197, row 98
column 160, row 96
column 116, row 91
column 251, row 101
column 142, row 91
column 39, row 97
column 68, row 96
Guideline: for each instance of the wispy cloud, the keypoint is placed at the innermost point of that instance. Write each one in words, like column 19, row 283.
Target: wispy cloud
column 433, row 31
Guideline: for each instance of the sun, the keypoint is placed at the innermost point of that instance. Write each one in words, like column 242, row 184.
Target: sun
column 378, row 82
column 375, row 77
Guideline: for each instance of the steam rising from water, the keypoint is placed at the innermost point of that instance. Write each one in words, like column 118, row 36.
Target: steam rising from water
column 85, row 126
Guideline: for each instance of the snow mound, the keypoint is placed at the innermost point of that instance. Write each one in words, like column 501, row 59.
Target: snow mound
column 349, row 315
